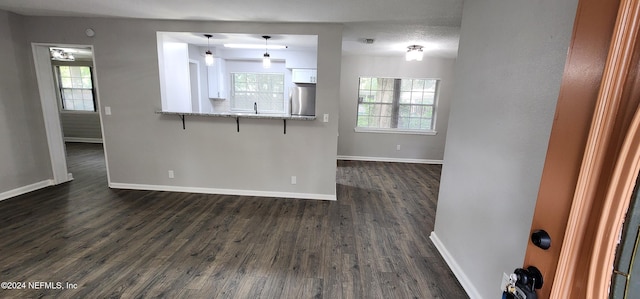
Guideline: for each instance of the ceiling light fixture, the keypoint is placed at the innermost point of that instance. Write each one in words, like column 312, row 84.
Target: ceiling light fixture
column 414, row 52
column 266, row 58
column 61, row 55
column 208, row 56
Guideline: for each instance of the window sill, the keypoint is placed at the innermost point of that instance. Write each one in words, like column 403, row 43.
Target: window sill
column 77, row 112
column 394, row 131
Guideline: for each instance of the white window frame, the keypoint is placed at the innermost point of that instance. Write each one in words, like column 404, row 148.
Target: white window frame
column 59, row 92
column 396, row 103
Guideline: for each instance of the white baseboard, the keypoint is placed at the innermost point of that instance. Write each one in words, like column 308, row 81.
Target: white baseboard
column 222, row 191
column 25, row 189
column 83, row 140
column 396, row 160
column 455, row 268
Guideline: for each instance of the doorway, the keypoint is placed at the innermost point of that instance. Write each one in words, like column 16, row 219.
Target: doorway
column 50, row 89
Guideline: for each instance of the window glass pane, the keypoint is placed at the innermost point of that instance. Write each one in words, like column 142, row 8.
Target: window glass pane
column 76, row 82
column 86, row 82
column 78, row 104
column 405, row 97
column 385, row 96
column 66, row 82
column 416, row 97
column 418, row 85
column 405, row 84
column 386, row 83
column 87, row 94
column 427, row 98
column 75, row 72
column 387, row 110
column 64, row 71
column 68, row 104
column 77, row 94
column 365, row 83
column 67, row 94
column 405, row 110
column 430, row 85
column 85, row 72
column 88, row 105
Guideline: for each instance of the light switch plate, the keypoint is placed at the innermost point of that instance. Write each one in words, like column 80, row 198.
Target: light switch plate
column 107, row 110
column 294, row 180
column 325, row 118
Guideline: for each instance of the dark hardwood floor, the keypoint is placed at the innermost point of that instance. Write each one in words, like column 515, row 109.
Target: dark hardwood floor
column 371, row 243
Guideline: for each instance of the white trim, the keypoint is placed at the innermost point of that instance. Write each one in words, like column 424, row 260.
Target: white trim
column 466, row 283
column 222, row 191
column 393, row 131
column 25, row 189
column 78, row 112
column 386, row 159
column 50, row 111
column 83, row 140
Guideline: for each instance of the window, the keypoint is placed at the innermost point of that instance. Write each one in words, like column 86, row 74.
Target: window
column 76, row 88
column 264, row 89
column 391, row 104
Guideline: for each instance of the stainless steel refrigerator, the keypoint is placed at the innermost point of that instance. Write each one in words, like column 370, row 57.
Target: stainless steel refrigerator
column 303, row 99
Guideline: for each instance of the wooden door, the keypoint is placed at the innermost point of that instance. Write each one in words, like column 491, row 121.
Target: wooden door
column 593, row 154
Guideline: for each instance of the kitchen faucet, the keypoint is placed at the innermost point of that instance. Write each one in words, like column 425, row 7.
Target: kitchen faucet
column 255, row 107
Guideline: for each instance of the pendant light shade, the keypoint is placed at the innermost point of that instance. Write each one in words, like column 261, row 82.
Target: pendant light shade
column 266, row 61
column 208, row 56
column 266, row 58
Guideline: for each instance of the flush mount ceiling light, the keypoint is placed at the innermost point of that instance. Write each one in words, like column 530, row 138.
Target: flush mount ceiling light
column 208, row 56
column 61, row 55
column 414, row 52
column 266, row 58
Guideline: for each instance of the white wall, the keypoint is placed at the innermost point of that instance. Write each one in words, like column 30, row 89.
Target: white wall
column 383, row 146
column 174, row 72
column 142, row 146
column 24, row 156
column 508, row 74
column 197, row 54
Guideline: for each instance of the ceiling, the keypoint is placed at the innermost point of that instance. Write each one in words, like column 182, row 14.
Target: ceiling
column 293, row 42
column 393, row 24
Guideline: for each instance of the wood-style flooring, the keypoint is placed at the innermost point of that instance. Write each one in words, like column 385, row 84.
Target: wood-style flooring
column 371, row 243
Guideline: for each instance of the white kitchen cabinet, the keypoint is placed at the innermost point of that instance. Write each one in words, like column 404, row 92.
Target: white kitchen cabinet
column 304, row 76
column 215, row 74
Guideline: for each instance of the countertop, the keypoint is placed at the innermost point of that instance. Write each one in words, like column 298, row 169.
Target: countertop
column 243, row 115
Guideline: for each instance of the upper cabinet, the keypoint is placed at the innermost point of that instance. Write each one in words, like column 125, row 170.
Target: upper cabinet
column 304, row 76
column 215, row 79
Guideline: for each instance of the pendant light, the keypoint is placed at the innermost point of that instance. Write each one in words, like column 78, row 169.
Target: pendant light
column 266, row 58
column 414, row 52
column 208, row 56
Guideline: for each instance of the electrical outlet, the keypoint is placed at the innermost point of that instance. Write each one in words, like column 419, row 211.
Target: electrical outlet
column 171, row 174
column 294, row 180
column 325, row 118
column 398, row 147
column 107, row 110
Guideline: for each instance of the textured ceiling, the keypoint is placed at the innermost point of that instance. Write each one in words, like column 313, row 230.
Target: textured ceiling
column 394, row 24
